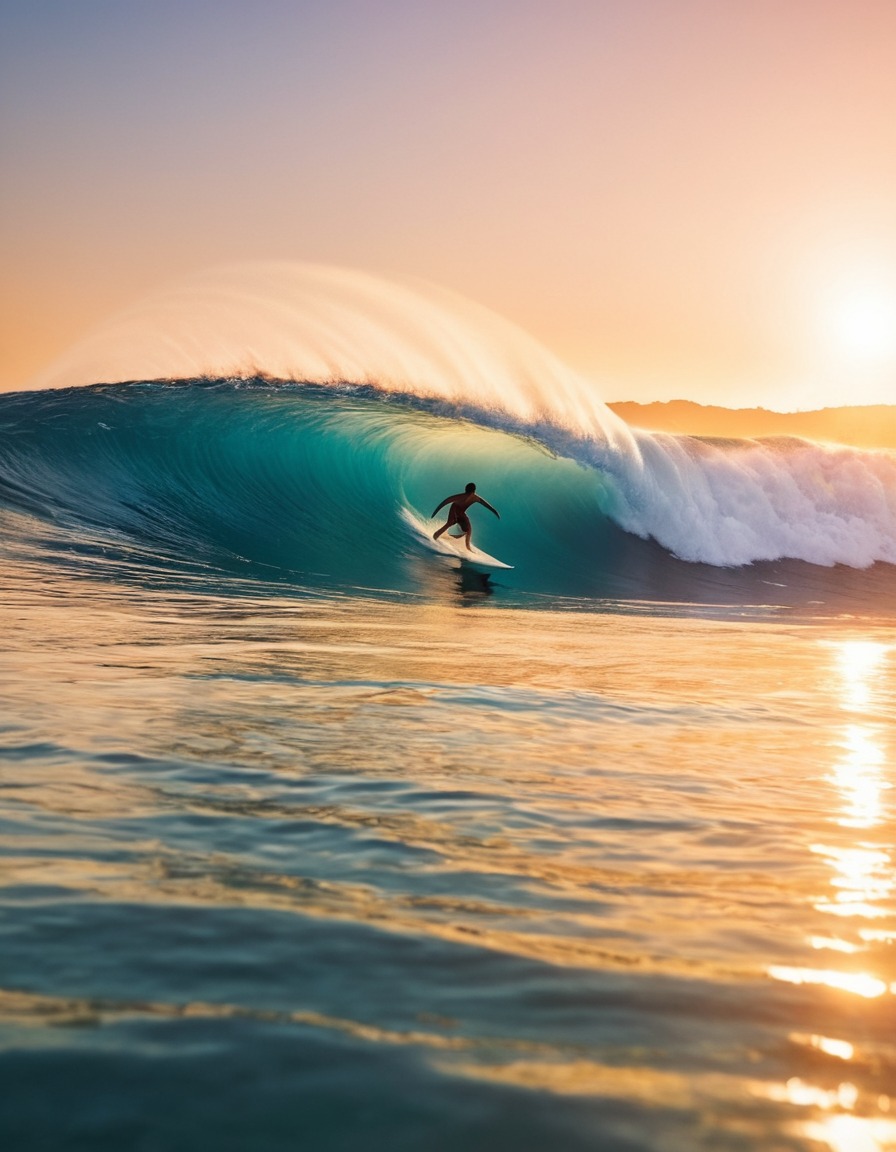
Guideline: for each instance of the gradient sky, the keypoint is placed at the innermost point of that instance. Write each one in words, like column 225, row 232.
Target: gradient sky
column 681, row 198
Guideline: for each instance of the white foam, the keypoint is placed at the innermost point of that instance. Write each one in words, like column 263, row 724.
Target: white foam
column 734, row 503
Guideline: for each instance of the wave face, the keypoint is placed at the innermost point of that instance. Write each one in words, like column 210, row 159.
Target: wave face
column 307, row 485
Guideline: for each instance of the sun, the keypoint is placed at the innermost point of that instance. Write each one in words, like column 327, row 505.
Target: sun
column 847, row 330
column 864, row 325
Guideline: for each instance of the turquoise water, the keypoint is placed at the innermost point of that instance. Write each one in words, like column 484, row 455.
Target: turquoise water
column 312, row 838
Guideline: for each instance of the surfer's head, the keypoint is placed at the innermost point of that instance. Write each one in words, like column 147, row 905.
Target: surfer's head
column 470, row 488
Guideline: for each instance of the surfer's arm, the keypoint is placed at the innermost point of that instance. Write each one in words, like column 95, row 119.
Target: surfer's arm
column 486, row 503
column 447, row 500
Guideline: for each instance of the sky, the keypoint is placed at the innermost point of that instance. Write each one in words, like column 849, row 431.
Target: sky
column 679, row 198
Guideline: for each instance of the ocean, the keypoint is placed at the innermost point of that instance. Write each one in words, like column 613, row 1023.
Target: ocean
column 315, row 838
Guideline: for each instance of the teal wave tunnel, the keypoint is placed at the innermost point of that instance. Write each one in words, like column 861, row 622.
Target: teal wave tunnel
column 309, row 486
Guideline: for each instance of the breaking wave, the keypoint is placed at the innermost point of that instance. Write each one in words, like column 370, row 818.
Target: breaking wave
column 387, row 398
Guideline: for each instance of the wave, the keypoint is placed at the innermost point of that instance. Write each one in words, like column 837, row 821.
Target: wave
column 309, row 484
column 304, row 410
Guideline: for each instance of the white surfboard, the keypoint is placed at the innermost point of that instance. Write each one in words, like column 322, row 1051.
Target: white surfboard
column 447, row 545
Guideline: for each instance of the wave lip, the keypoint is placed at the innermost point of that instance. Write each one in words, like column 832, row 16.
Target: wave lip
column 316, row 323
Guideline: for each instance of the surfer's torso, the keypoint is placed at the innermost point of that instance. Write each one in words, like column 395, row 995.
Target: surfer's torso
column 457, row 513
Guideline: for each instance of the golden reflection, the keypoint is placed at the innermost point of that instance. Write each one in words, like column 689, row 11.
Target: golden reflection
column 859, row 868
column 842, row 1130
column 804, row 1095
column 860, row 983
column 845, row 1133
column 862, row 876
column 863, row 881
column 878, row 935
column 842, row 1049
column 527, row 1064
column 855, row 908
column 28, row 1009
column 862, row 886
column 858, row 774
column 834, row 943
column 645, row 1086
column 859, row 663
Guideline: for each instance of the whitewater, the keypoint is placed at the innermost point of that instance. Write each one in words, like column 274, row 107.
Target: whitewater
column 311, row 836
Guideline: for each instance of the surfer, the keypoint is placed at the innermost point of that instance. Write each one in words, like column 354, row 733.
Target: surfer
column 457, row 514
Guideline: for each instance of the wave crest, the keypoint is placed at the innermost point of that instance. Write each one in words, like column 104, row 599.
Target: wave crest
column 309, row 322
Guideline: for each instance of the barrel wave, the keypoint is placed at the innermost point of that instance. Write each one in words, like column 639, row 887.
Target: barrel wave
column 278, row 421
column 305, row 485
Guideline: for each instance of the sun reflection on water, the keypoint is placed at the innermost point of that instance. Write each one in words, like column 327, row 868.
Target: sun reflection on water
column 842, row 1049
column 859, row 853
column 834, row 943
column 858, row 774
column 863, row 878
column 862, row 881
column 859, row 666
column 859, row 983
column 846, row 1133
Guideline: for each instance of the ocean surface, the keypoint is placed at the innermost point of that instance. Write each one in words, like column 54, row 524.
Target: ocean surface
column 311, row 837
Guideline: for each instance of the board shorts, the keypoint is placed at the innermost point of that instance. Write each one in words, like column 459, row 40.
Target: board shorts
column 460, row 518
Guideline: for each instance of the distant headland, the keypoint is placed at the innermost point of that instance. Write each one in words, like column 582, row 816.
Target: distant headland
column 866, row 426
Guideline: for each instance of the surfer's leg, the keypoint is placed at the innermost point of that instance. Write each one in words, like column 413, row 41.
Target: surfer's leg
column 466, row 528
column 452, row 519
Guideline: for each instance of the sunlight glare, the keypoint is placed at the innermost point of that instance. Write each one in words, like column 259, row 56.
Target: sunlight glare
column 834, row 943
column 859, row 662
column 859, row 777
column 857, row 309
column 845, row 1133
column 865, row 325
column 858, row 983
column 841, row 1049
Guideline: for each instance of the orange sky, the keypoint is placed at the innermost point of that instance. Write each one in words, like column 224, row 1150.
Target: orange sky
column 681, row 198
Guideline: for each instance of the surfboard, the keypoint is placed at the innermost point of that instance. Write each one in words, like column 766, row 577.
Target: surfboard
column 447, row 545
